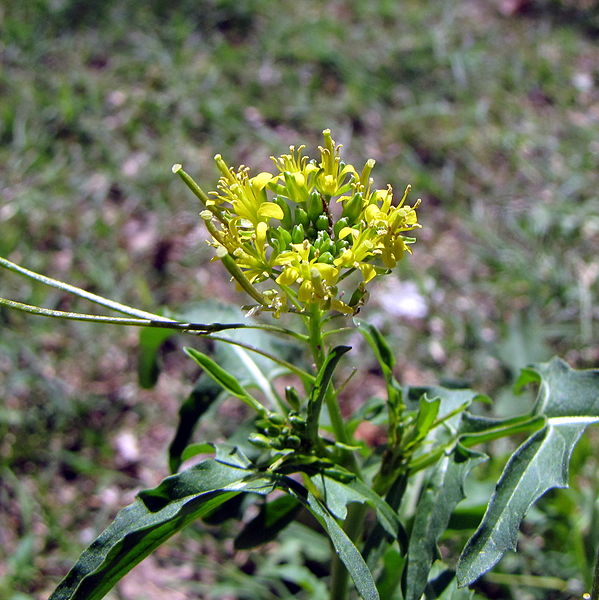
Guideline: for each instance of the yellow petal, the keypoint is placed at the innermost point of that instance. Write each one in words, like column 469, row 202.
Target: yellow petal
column 260, row 181
column 288, row 276
column 368, row 271
column 261, row 230
column 345, row 231
column 327, row 272
column 270, row 210
column 305, row 292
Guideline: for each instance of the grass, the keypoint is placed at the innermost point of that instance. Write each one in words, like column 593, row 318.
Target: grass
column 493, row 121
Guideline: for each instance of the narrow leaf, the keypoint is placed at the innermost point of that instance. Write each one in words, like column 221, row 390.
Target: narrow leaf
column 201, row 398
column 379, row 346
column 443, row 491
column 321, row 383
column 225, row 379
column 348, row 553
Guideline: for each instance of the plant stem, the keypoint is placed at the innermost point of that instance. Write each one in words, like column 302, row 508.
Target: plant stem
column 356, row 512
column 291, row 367
column 123, row 308
column 315, row 334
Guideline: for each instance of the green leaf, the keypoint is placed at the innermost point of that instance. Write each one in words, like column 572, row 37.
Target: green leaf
column 150, row 340
column 443, row 490
column 444, row 587
column 273, row 517
column 393, row 563
column 250, row 370
column 569, row 400
column 381, row 349
column 195, row 449
column 204, row 394
column 225, row 379
column 453, row 402
column 153, row 518
column 348, row 553
column 319, row 390
column 337, row 495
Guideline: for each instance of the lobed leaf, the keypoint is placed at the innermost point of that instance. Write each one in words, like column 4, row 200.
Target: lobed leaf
column 569, row 400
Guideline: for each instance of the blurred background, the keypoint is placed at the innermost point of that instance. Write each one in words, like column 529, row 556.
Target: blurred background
column 490, row 109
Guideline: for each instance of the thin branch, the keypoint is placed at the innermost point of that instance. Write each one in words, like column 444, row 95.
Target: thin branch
column 291, row 367
column 122, row 308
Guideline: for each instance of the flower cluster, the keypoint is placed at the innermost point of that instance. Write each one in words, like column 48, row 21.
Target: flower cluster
column 305, row 229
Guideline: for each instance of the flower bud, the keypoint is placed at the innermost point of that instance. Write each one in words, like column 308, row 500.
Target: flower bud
column 301, row 216
column 257, row 439
column 340, row 224
column 314, row 206
column 322, row 223
column 352, row 208
column 286, row 221
column 298, row 234
column 292, row 398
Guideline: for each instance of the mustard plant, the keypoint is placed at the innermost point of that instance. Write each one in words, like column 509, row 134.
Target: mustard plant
column 304, row 242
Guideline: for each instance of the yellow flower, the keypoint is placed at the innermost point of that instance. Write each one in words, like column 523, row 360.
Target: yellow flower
column 281, row 228
column 317, row 280
column 333, row 178
column 246, row 195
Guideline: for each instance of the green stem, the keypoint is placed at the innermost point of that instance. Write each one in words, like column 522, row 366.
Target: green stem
column 304, row 375
column 198, row 328
column 356, row 512
column 315, row 334
column 123, row 308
